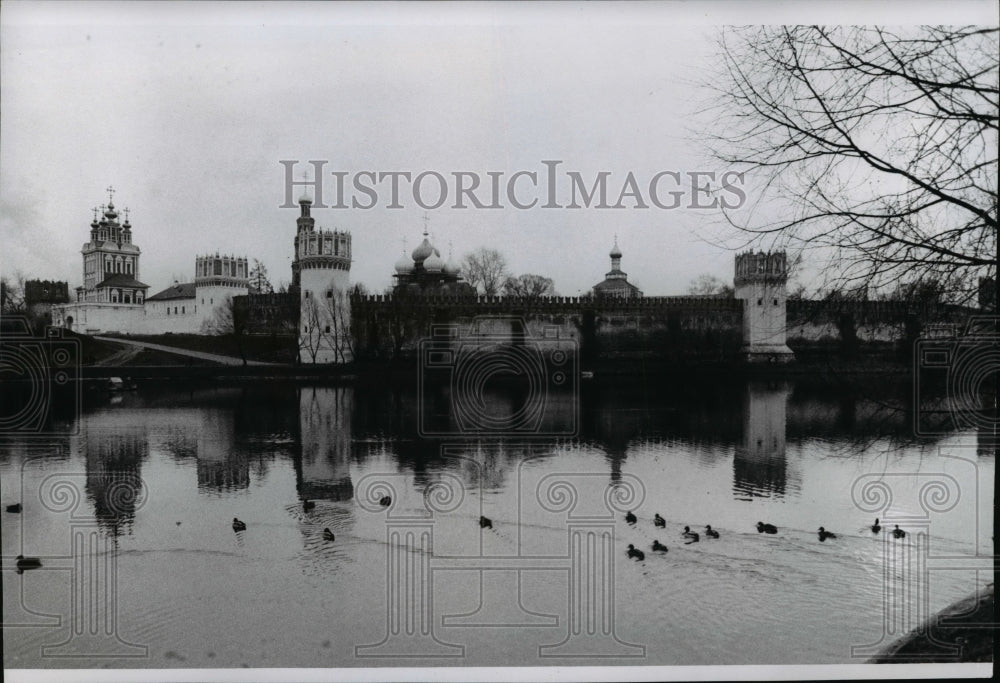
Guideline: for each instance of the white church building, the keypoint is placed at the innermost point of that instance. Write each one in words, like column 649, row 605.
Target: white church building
column 112, row 298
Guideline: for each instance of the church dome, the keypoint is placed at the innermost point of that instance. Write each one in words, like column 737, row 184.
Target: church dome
column 434, row 263
column 404, row 265
column 423, row 250
column 451, row 268
column 615, row 251
column 305, row 199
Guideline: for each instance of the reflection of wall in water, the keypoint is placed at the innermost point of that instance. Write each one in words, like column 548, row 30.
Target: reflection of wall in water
column 113, row 446
column 221, row 465
column 325, row 431
column 760, row 465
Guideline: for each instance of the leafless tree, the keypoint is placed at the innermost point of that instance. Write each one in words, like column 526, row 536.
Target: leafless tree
column 336, row 328
column 12, row 294
column 882, row 142
column 529, row 286
column 226, row 321
column 709, row 285
column 311, row 332
column 486, row 270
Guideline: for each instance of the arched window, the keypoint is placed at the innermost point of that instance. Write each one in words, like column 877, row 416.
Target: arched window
column 138, row 297
column 114, row 296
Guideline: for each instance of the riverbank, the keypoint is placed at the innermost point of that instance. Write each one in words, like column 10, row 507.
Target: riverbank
column 962, row 632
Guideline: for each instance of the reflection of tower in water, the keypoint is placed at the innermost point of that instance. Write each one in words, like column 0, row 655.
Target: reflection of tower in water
column 323, row 470
column 220, row 465
column 114, row 450
column 760, row 465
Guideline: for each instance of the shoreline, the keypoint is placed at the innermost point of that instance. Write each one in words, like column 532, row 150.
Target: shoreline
column 962, row 632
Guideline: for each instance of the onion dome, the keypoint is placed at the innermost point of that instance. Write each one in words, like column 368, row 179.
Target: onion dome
column 305, row 199
column 434, row 263
column 451, row 268
column 615, row 251
column 404, row 265
column 111, row 213
column 423, row 250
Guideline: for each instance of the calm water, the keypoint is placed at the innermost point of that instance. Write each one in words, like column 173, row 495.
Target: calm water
column 132, row 517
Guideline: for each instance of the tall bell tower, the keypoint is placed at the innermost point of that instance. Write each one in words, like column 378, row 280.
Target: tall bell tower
column 321, row 278
column 761, row 282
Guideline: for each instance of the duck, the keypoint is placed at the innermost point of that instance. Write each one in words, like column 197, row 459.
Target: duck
column 385, row 501
column 327, row 534
column 308, row 505
column 630, row 518
column 710, row 532
column 659, row 546
column 28, row 562
column 687, row 533
column 238, row 525
column 659, row 521
column 898, row 533
column 16, row 507
column 766, row 528
column 485, row 523
column 875, row 527
column 824, row 534
column 635, row 553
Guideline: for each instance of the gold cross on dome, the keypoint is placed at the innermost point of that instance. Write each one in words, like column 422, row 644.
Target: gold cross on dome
column 427, row 220
column 111, row 193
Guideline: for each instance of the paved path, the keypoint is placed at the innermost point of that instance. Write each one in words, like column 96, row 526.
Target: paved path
column 214, row 357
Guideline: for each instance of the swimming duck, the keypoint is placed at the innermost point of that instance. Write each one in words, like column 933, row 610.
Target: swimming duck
column 766, row 528
column 824, row 534
column 385, row 501
column 635, row 553
column 898, row 533
column 308, row 505
column 238, row 525
column 630, row 518
column 16, row 507
column 485, row 522
column 659, row 546
column 710, row 532
column 659, row 521
column 875, row 527
column 327, row 534
column 28, row 562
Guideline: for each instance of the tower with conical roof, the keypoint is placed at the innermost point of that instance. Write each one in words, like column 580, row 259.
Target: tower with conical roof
column 321, row 279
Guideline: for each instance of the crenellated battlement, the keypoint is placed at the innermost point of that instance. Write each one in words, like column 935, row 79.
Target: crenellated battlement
column 762, row 266
column 227, row 268
column 552, row 304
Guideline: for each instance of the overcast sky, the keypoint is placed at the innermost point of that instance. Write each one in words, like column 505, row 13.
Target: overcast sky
column 187, row 110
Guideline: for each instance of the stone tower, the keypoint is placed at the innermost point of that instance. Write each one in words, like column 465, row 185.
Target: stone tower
column 760, row 281
column 321, row 274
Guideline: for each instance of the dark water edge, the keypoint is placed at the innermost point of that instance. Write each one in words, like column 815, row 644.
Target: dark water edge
column 964, row 631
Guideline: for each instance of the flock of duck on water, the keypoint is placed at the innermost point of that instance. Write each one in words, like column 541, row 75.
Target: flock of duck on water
column 693, row 536
column 487, row 523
